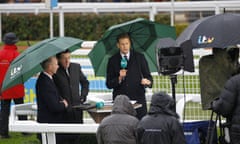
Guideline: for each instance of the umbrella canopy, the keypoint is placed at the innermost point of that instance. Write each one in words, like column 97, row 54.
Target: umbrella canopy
column 28, row 62
column 218, row 31
column 144, row 35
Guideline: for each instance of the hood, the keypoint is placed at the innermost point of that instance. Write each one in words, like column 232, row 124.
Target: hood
column 162, row 103
column 122, row 105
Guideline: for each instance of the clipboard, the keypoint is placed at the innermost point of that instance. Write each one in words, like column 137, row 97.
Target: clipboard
column 84, row 106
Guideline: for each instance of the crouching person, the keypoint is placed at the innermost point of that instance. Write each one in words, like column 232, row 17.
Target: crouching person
column 161, row 124
column 120, row 126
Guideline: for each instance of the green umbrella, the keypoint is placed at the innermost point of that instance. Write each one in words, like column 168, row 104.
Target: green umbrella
column 28, row 62
column 144, row 35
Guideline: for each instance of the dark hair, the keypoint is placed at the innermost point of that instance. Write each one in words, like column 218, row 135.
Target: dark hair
column 63, row 52
column 123, row 35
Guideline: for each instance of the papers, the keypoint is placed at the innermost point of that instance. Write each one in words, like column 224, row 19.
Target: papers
column 133, row 101
column 84, row 106
column 110, row 102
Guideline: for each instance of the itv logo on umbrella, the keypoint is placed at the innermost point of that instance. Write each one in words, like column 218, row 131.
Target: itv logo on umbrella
column 205, row 40
column 15, row 71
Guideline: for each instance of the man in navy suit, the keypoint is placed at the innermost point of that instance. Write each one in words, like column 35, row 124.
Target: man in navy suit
column 51, row 106
column 133, row 79
column 73, row 86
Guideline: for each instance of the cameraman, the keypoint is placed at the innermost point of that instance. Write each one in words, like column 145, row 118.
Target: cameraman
column 228, row 105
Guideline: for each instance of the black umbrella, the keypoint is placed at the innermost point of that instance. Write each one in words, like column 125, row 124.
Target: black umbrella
column 219, row 31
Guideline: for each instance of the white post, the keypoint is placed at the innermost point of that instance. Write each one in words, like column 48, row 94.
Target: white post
column 61, row 23
column 51, row 23
column 217, row 10
column 172, row 13
column 51, row 4
column 44, row 138
column 51, row 138
column 152, row 13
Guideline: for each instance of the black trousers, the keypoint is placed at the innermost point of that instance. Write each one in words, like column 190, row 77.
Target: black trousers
column 142, row 111
column 5, row 112
column 75, row 116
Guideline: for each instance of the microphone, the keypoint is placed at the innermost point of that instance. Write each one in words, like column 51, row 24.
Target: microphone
column 123, row 64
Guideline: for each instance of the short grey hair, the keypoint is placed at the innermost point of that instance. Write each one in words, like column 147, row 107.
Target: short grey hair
column 47, row 62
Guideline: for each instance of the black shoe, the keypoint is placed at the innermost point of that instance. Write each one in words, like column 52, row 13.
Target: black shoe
column 4, row 136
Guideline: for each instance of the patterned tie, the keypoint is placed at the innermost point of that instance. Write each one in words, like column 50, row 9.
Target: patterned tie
column 126, row 58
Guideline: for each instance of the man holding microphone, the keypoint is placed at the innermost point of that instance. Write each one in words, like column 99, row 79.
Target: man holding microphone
column 128, row 74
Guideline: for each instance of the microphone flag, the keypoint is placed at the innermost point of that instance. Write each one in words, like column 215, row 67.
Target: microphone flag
column 124, row 63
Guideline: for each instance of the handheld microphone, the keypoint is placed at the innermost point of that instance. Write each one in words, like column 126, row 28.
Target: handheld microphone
column 123, row 63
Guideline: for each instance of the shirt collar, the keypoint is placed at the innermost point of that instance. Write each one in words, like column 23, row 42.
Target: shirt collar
column 48, row 75
column 128, row 55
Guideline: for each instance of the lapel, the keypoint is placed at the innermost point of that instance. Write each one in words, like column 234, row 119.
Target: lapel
column 118, row 60
column 131, row 57
column 70, row 70
column 64, row 73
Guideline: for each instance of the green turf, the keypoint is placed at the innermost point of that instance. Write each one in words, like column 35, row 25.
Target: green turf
column 18, row 138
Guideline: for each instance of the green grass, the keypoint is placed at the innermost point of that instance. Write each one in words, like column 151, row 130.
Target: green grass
column 164, row 83
column 22, row 43
column 194, row 111
column 18, row 138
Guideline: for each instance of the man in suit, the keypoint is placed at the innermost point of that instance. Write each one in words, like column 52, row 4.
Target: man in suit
column 51, row 106
column 132, row 80
column 69, row 78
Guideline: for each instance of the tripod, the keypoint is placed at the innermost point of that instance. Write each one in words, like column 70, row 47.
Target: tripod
column 212, row 137
column 173, row 78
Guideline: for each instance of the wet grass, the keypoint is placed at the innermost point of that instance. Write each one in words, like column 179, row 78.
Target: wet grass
column 18, row 138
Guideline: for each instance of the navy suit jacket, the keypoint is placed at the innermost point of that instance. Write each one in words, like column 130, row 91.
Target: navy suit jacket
column 50, row 109
column 131, row 86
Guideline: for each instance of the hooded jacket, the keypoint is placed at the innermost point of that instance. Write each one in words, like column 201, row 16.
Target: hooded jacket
column 120, row 126
column 228, row 105
column 161, row 125
column 7, row 55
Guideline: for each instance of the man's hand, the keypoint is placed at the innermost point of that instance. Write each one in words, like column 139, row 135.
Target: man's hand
column 122, row 74
column 145, row 82
column 65, row 103
column 82, row 99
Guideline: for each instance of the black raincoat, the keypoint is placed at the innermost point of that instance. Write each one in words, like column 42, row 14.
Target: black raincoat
column 228, row 105
column 161, row 125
